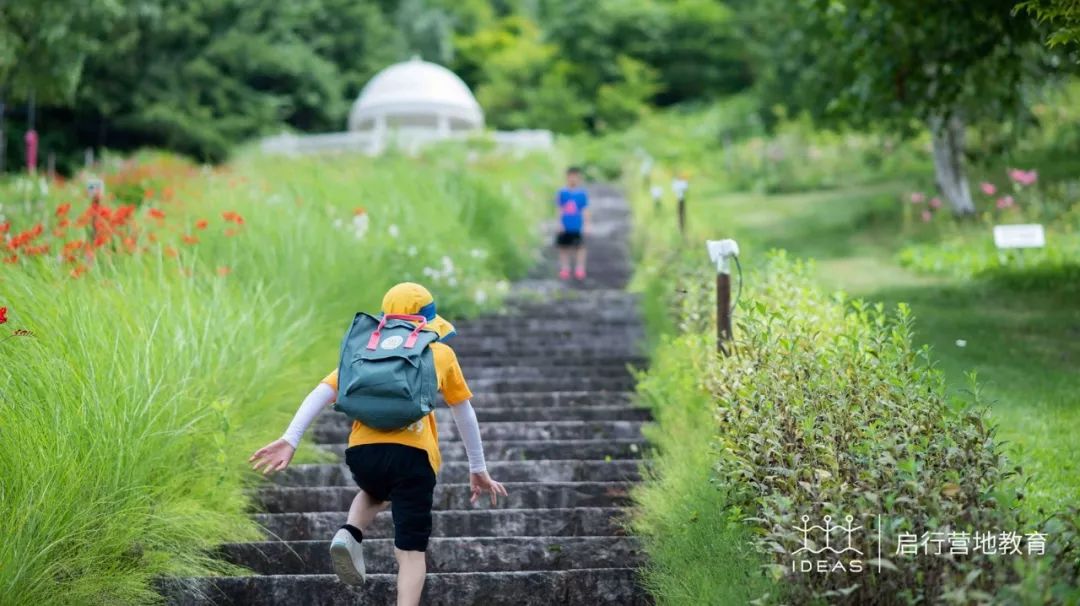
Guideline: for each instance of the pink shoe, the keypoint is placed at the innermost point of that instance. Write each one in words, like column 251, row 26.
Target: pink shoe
column 579, row 274
column 564, row 274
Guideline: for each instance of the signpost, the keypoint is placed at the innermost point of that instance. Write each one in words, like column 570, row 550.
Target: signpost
column 657, row 193
column 721, row 252
column 679, row 185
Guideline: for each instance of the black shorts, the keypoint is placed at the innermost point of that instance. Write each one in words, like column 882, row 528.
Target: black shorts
column 569, row 238
column 402, row 475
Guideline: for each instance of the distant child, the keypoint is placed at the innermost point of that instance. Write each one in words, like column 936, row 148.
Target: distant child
column 394, row 467
column 573, row 203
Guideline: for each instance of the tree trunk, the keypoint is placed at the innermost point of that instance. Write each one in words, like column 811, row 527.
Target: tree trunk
column 948, row 137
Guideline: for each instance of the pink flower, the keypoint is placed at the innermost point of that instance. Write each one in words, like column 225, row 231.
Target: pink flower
column 1023, row 177
column 1005, row 202
column 988, row 188
column 926, row 216
column 935, row 202
column 918, row 197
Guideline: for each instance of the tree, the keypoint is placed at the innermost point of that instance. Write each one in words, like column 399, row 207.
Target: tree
column 1063, row 15
column 898, row 63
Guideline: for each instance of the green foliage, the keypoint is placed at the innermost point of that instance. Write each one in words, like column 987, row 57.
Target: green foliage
column 890, row 61
column 967, row 250
column 825, row 407
column 128, row 414
column 44, row 45
column 1062, row 15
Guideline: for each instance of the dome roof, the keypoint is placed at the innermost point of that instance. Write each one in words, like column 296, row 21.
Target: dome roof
column 416, row 87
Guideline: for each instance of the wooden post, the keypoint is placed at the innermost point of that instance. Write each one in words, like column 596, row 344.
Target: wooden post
column 679, row 186
column 721, row 252
column 723, row 310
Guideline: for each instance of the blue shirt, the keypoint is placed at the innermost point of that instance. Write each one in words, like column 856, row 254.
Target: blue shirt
column 571, row 204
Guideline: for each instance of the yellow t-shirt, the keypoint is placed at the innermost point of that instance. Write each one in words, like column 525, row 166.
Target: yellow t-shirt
column 422, row 434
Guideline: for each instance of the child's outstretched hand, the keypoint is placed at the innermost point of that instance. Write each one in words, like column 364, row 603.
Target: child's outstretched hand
column 275, row 456
column 482, row 482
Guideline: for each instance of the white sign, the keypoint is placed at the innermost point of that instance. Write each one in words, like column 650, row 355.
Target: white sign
column 679, row 186
column 1019, row 236
column 720, row 251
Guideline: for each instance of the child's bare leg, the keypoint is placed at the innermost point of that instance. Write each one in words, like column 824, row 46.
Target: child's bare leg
column 564, row 259
column 580, row 254
column 363, row 509
column 412, row 568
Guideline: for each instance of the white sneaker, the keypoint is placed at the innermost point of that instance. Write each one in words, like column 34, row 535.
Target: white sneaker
column 347, row 557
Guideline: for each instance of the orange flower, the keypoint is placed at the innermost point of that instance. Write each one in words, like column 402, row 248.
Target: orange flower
column 153, row 238
column 62, row 210
column 12, row 259
column 79, row 270
column 359, row 210
column 202, row 224
column 189, row 239
column 64, row 223
column 5, row 227
column 157, row 214
column 228, row 215
column 223, row 271
column 238, row 220
column 3, row 315
column 148, row 193
column 171, row 252
column 101, row 240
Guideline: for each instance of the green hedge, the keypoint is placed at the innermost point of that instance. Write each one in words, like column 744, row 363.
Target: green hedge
column 826, row 408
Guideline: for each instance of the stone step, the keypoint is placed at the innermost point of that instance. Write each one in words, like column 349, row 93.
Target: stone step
column 490, row 325
column 524, row 413
column 551, row 398
column 579, row 365
column 338, row 432
column 522, row 495
column 592, row 351
column 535, row 373
column 596, row 587
column 535, row 450
column 558, row 383
column 460, row 554
column 537, row 413
column 582, row 521
column 503, row 471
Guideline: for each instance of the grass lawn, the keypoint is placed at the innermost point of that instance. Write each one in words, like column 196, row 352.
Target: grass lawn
column 1024, row 347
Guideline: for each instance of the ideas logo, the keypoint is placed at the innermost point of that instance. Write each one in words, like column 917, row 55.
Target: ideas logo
column 829, row 548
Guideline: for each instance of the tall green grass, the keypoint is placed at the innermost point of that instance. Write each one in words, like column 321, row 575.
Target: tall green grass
column 126, row 418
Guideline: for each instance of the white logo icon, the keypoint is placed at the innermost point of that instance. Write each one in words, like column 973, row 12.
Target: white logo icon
column 827, row 533
column 393, row 342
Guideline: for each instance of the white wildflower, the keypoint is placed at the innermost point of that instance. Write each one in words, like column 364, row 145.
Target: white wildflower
column 480, row 296
column 360, row 225
column 478, row 253
column 448, row 264
column 961, row 343
column 412, row 251
column 393, row 229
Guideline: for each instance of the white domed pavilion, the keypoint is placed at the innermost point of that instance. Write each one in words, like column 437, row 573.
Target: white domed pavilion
column 408, row 105
column 416, row 95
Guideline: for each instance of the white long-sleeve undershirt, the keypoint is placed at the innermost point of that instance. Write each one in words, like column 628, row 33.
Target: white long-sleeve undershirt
column 324, row 395
column 469, row 431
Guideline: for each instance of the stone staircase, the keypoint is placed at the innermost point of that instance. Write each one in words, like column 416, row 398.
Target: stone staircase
column 553, row 396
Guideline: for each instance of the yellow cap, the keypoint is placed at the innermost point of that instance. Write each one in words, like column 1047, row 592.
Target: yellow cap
column 413, row 299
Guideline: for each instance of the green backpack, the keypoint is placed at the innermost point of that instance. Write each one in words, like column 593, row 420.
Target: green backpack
column 386, row 376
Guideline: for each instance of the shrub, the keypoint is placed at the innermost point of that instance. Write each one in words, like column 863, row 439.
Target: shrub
column 826, row 408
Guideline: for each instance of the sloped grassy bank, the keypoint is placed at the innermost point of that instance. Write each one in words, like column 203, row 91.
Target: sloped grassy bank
column 824, row 408
column 163, row 351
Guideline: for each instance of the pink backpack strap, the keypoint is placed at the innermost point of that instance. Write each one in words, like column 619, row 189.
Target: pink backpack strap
column 373, row 342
